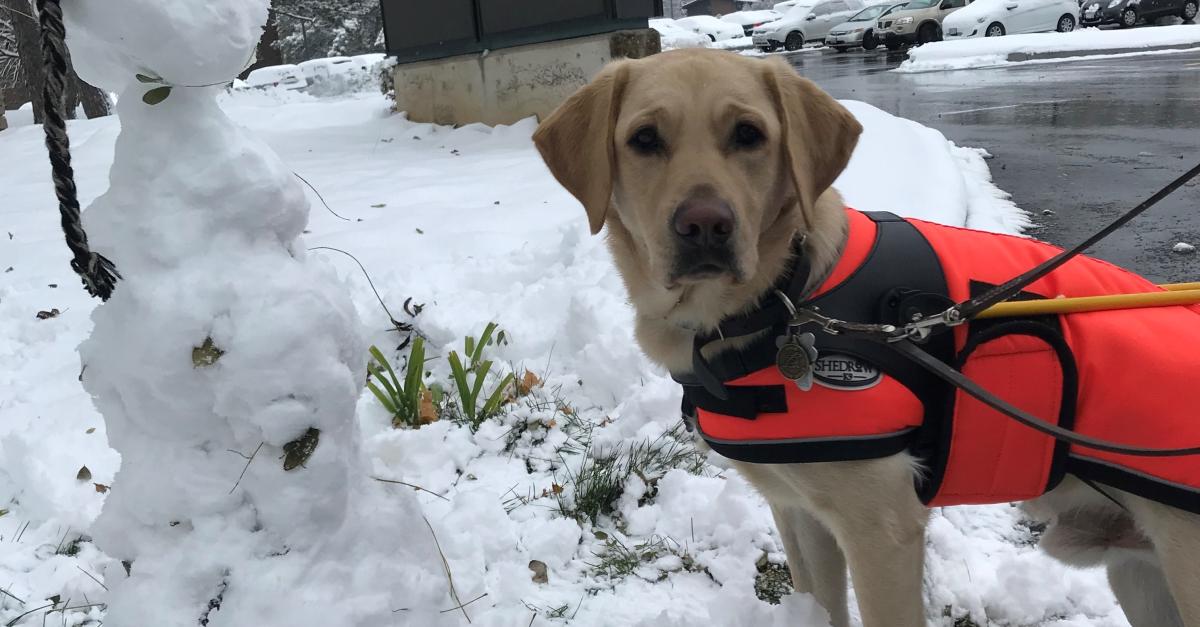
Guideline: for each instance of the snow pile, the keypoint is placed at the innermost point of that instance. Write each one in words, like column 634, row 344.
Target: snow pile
column 467, row 222
column 226, row 366
column 941, row 182
column 1087, row 42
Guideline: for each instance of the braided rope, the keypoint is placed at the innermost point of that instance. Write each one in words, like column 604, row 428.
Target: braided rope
column 98, row 273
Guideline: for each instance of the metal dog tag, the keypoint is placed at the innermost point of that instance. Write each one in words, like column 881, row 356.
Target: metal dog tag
column 795, row 358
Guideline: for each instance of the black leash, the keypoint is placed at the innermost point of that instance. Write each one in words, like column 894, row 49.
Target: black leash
column 903, row 339
column 99, row 275
column 960, row 381
column 973, row 307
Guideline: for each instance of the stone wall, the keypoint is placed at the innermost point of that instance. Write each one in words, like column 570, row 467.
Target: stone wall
column 504, row 86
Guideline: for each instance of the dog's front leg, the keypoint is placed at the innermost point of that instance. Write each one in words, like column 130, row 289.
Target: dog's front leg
column 879, row 522
column 815, row 560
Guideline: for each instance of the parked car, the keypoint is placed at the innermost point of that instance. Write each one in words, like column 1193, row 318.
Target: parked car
column 1128, row 13
column 859, row 30
column 782, row 7
column 748, row 20
column 366, row 62
column 804, row 22
column 713, row 28
column 317, row 69
column 993, row 18
column 285, row 76
column 673, row 35
column 920, row 22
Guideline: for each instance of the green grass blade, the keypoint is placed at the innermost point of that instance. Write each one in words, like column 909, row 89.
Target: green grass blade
column 480, row 379
column 378, row 374
column 493, row 402
column 460, row 383
column 412, row 378
column 378, row 355
column 383, row 398
column 469, row 345
column 484, row 339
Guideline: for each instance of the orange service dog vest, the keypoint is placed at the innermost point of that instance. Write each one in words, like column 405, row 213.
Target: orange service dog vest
column 1126, row 376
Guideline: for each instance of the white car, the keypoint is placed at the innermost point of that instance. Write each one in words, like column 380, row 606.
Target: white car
column 804, row 22
column 859, row 30
column 674, row 36
column 749, row 20
column 993, row 18
column 782, row 7
column 315, row 69
column 285, row 76
column 711, row 27
column 366, row 62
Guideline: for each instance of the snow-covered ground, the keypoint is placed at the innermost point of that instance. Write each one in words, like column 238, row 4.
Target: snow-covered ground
column 468, row 223
column 1087, row 42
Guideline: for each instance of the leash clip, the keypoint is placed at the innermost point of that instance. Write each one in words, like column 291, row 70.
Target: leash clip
column 920, row 330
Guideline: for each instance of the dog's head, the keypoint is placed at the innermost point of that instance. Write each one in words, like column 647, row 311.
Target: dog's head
column 699, row 157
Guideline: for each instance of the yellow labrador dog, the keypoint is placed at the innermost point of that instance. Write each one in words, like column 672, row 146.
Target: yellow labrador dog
column 705, row 166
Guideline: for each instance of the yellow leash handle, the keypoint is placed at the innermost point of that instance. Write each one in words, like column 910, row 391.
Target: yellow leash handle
column 1173, row 294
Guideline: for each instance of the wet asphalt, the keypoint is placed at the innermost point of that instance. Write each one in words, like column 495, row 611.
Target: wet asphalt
column 1075, row 143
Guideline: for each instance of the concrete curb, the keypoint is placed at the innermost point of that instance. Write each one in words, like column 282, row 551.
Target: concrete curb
column 1067, row 54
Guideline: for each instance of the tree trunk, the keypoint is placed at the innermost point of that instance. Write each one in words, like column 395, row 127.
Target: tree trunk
column 95, row 101
column 267, row 52
column 29, row 47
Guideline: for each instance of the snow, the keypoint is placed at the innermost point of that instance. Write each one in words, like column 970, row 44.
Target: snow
column 1088, row 43
column 437, row 214
column 1183, row 248
column 672, row 35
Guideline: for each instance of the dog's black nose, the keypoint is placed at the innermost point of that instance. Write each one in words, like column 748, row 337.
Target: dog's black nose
column 704, row 221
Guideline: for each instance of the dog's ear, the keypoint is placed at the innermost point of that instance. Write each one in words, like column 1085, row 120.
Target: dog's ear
column 819, row 134
column 576, row 141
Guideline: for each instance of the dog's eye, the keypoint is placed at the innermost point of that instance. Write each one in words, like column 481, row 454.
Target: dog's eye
column 646, row 140
column 746, row 135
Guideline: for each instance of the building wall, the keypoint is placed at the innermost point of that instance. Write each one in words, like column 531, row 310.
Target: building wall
column 507, row 85
column 711, row 7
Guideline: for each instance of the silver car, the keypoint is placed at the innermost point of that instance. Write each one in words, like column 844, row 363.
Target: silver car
column 860, row 29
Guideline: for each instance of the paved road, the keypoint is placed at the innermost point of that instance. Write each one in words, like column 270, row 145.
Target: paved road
column 1084, row 139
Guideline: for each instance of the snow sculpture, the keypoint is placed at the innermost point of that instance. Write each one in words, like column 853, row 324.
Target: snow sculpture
column 227, row 365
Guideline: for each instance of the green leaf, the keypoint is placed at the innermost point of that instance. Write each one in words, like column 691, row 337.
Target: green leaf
column 469, row 345
column 460, row 383
column 480, row 377
column 206, row 354
column 412, row 378
column 392, row 395
column 382, row 361
column 297, row 452
column 156, row 95
column 143, row 78
column 383, row 398
column 493, row 402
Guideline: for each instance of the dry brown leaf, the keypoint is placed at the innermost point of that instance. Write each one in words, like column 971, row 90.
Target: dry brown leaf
column 428, row 412
column 101, row 488
column 84, row 474
column 539, row 571
column 556, row 489
column 527, row 383
column 91, row 430
column 46, row 315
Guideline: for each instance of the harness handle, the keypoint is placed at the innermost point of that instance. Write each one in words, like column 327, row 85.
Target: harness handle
column 971, row 308
column 99, row 275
